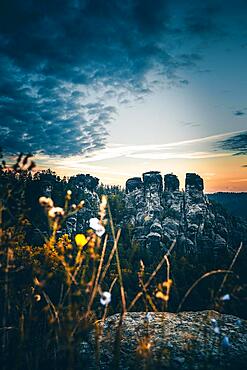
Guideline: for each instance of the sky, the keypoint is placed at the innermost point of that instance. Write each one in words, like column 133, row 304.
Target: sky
column 116, row 88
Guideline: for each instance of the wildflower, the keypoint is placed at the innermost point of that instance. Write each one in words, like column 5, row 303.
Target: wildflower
column 105, row 298
column 95, row 224
column 68, row 194
column 46, row 202
column 215, row 326
column 81, row 204
column 214, row 322
column 167, row 284
column 225, row 342
column 225, row 297
column 81, row 240
column 55, row 212
column 162, row 296
column 217, row 330
column 37, row 297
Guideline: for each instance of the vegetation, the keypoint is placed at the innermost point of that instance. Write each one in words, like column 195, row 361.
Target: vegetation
column 54, row 288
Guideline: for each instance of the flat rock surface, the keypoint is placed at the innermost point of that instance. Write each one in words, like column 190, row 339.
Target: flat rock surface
column 153, row 340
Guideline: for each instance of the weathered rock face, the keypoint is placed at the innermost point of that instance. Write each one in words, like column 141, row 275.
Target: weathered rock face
column 160, row 216
column 133, row 183
column 186, row 340
column 83, row 187
column 171, row 182
column 193, row 181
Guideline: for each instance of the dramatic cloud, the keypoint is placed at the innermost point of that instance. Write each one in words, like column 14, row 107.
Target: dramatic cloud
column 236, row 144
column 66, row 64
column 59, row 58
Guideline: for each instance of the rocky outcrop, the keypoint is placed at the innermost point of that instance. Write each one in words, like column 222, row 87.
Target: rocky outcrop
column 171, row 182
column 161, row 213
column 83, row 187
column 187, row 340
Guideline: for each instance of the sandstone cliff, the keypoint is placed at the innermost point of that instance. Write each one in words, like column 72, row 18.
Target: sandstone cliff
column 159, row 213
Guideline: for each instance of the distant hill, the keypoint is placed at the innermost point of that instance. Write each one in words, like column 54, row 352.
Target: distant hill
column 235, row 203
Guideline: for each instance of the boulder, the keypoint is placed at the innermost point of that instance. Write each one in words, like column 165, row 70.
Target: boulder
column 155, row 340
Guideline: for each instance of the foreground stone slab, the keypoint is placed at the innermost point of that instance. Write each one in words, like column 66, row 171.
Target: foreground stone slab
column 188, row 340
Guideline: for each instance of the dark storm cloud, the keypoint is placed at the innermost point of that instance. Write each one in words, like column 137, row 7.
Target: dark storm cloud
column 52, row 51
column 239, row 113
column 236, row 144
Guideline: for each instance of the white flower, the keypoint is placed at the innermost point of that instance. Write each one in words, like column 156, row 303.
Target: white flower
column 95, row 224
column 46, row 202
column 214, row 322
column 217, row 330
column 215, row 326
column 225, row 297
column 55, row 212
column 105, row 298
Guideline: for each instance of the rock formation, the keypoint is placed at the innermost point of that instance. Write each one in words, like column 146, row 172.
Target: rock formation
column 187, row 340
column 84, row 188
column 161, row 213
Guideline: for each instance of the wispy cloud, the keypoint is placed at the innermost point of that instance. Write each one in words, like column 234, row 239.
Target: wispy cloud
column 239, row 113
column 172, row 150
column 74, row 164
column 237, row 144
column 195, row 155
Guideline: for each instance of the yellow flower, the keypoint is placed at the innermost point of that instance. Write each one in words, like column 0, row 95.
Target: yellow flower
column 167, row 284
column 81, row 240
column 162, row 296
column 37, row 297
